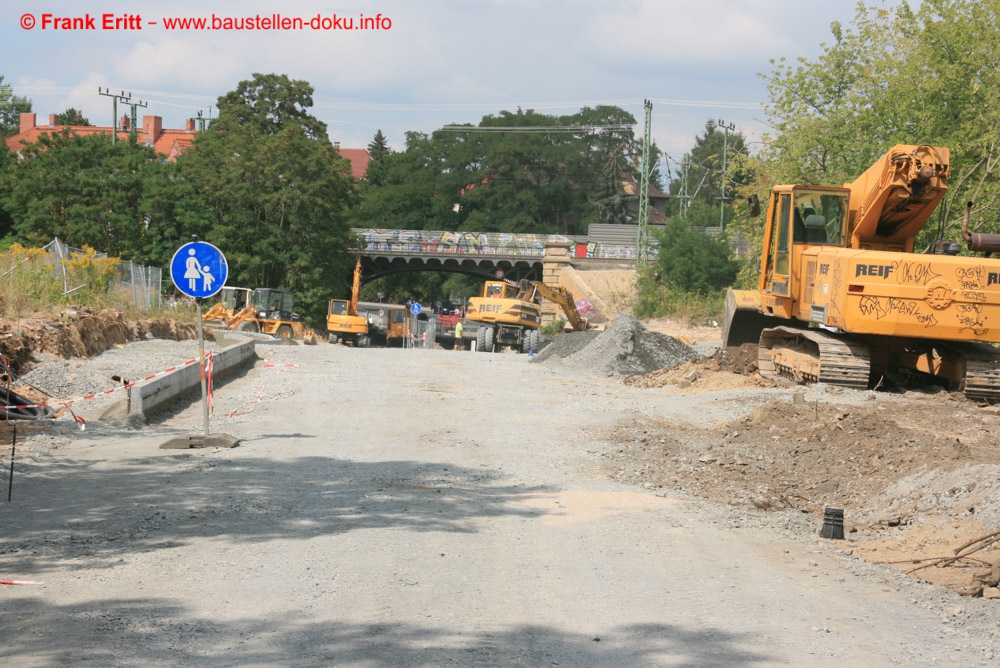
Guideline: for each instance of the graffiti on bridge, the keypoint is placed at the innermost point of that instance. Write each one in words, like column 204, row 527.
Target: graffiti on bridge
column 458, row 243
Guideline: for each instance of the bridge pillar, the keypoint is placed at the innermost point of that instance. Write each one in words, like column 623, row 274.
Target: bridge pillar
column 557, row 256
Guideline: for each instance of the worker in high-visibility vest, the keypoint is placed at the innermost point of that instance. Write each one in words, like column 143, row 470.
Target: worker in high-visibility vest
column 459, row 344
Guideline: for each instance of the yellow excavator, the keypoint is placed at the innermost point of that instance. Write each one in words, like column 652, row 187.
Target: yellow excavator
column 342, row 320
column 843, row 298
column 510, row 314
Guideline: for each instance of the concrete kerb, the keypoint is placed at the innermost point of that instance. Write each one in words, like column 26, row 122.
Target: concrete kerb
column 158, row 394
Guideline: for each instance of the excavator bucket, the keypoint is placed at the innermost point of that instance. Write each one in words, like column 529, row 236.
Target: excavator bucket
column 743, row 321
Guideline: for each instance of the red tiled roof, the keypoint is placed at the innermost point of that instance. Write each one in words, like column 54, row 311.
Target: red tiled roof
column 359, row 160
column 16, row 142
column 170, row 143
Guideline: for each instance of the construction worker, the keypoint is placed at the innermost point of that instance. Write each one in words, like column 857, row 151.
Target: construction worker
column 459, row 344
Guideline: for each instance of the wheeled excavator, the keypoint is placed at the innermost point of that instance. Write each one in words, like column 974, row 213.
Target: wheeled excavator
column 342, row 320
column 510, row 314
column 843, row 298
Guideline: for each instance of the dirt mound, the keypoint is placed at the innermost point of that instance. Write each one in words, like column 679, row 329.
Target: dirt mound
column 728, row 369
column 917, row 476
column 81, row 333
column 626, row 348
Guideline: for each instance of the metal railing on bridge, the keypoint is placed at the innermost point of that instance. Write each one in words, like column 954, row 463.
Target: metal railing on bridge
column 464, row 244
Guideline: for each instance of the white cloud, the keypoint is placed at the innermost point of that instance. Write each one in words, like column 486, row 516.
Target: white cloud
column 686, row 34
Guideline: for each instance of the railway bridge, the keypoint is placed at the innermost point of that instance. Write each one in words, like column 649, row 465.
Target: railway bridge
column 537, row 257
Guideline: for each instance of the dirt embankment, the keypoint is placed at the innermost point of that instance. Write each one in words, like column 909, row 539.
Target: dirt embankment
column 81, row 332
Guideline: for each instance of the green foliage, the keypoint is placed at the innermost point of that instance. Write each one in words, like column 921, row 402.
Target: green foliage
column 896, row 75
column 425, row 287
column 72, row 116
column 378, row 166
column 692, row 262
column 11, row 108
column 657, row 300
column 33, row 280
column 265, row 184
column 556, row 326
column 703, row 176
column 84, row 190
column 536, row 178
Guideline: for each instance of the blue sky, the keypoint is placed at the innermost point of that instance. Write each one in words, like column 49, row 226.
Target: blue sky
column 437, row 63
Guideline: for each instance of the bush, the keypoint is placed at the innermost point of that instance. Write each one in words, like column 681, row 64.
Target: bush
column 557, row 326
column 657, row 300
column 31, row 279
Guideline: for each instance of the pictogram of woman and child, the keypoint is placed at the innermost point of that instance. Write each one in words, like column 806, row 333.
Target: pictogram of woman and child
column 194, row 270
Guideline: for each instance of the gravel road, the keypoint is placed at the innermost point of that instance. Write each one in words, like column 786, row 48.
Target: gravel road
column 395, row 507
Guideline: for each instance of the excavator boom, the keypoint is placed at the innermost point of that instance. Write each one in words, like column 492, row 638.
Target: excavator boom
column 564, row 298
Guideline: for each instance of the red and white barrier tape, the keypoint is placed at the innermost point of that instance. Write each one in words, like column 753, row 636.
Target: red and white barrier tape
column 268, row 364
column 97, row 395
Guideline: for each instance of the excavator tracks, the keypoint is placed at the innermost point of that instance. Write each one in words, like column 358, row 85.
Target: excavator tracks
column 810, row 355
column 982, row 373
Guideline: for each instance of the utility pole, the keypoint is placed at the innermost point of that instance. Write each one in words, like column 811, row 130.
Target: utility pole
column 722, row 182
column 126, row 99
column 135, row 119
column 642, row 243
column 683, row 195
column 201, row 121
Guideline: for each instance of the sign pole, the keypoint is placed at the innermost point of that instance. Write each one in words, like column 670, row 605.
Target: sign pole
column 199, row 270
column 201, row 365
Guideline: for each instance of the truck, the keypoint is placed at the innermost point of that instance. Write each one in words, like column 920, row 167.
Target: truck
column 509, row 314
column 343, row 322
column 843, row 298
column 446, row 316
column 269, row 311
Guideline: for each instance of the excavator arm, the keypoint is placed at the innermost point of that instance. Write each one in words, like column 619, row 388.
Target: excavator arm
column 352, row 306
column 892, row 201
column 564, row 298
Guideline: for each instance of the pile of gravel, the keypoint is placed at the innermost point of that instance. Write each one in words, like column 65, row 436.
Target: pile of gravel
column 626, row 348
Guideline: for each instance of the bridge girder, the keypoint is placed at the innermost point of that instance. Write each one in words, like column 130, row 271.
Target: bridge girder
column 375, row 266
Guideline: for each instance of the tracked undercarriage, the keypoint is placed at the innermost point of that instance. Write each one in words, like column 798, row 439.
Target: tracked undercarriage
column 818, row 356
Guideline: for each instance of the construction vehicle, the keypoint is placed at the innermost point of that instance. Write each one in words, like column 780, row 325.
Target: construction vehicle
column 510, row 314
column 844, row 299
column 343, row 321
column 231, row 301
column 446, row 317
column 270, row 311
column 397, row 331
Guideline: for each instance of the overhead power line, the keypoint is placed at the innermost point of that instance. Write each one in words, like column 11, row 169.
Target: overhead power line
column 431, row 106
column 534, row 128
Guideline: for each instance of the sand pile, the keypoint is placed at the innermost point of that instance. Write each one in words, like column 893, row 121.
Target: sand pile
column 626, row 348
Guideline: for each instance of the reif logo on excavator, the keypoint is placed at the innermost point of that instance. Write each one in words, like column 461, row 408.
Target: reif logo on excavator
column 879, row 270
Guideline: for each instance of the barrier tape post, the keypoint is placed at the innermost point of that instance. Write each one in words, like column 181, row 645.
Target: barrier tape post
column 13, row 445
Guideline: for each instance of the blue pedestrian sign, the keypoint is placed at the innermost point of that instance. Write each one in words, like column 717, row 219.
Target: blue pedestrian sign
column 415, row 308
column 199, row 269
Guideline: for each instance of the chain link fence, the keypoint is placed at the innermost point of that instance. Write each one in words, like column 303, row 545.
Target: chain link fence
column 135, row 284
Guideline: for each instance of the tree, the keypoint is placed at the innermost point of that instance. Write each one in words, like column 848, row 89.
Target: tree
column 896, row 76
column 71, row 117
column 275, row 192
column 518, row 171
column 378, row 166
column 693, row 262
column 85, row 190
column 704, row 177
column 11, row 108
column 266, row 104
